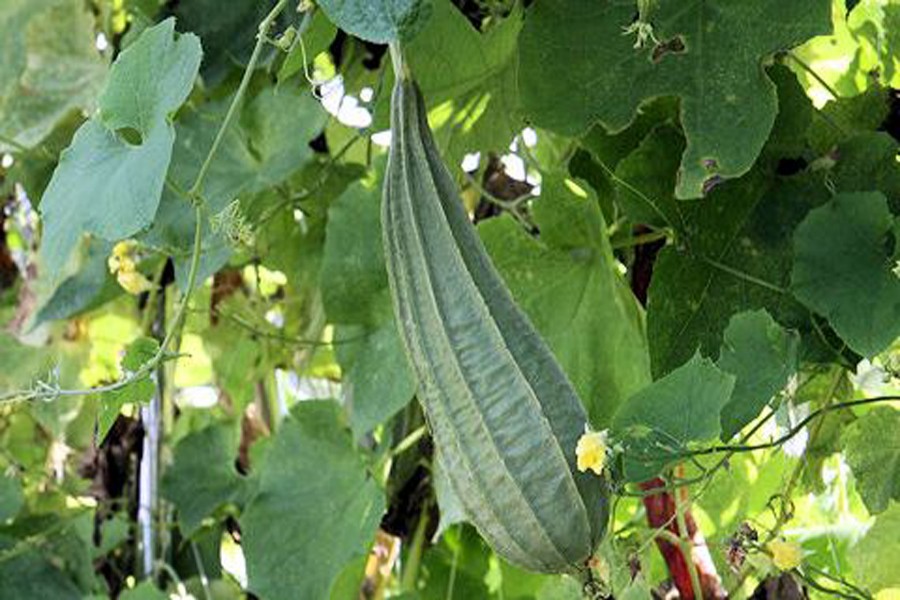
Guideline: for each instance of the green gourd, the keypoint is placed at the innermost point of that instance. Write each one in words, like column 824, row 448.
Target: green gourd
column 504, row 417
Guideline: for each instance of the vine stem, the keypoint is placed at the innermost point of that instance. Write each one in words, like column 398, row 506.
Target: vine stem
column 784, row 514
column 261, row 37
column 803, row 65
column 731, row 450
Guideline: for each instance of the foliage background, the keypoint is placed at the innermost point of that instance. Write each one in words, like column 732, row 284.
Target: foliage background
column 703, row 229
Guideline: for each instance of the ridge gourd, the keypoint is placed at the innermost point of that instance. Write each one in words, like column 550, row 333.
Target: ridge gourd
column 504, row 416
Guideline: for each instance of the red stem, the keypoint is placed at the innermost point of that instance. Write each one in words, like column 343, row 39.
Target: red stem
column 661, row 514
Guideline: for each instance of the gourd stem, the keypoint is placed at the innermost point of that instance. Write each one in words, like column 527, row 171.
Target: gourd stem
column 401, row 68
column 414, row 558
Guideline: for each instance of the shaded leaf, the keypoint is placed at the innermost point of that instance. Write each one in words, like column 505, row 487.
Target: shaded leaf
column 844, row 269
column 203, row 477
column 315, row 510
column 568, row 283
column 874, row 558
column 762, row 356
column 355, row 292
column 872, row 449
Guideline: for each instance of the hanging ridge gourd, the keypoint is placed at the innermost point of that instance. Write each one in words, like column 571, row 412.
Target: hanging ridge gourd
column 504, row 417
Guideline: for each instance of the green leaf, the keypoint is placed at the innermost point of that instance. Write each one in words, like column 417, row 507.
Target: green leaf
column 30, row 575
column 665, row 419
column 88, row 287
column 143, row 591
column 762, row 356
column 844, row 268
column 875, row 559
column 379, row 21
column 728, row 104
column 109, row 180
column 568, row 283
column 316, row 509
column 50, row 67
column 203, row 476
column 139, row 352
column 872, row 449
column 378, row 380
column 11, row 497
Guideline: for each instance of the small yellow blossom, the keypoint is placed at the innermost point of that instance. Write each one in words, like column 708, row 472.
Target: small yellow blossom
column 133, row 282
column 785, row 555
column 122, row 264
column 591, row 451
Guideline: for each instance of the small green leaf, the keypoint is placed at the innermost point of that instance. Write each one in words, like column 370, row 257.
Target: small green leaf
column 709, row 56
column 665, row 419
column 104, row 183
column 202, row 477
column 845, row 269
column 11, row 497
column 139, row 352
column 316, row 508
column 875, row 559
column 872, row 449
column 761, row 355
column 379, row 21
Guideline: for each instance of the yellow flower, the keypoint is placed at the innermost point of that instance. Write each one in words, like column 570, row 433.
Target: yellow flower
column 785, row 555
column 591, row 451
column 133, row 282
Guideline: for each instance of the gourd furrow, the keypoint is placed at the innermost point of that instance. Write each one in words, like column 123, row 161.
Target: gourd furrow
column 498, row 474
column 504, row 416
column 463, row 485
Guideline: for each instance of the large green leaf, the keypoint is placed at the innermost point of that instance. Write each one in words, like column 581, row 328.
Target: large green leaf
column 354, row 285
column 710, row 56
column 49, row 67
column 872, row 449
column 845, row 269
column 109, row 180
column 660, row 423
column 875, row 560
column 203, row 476
column 568, row 283
column 762, row 356
column 316, row 508
column 379, row 21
